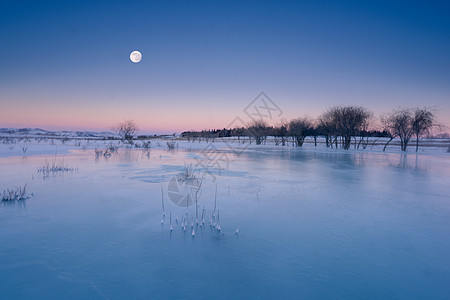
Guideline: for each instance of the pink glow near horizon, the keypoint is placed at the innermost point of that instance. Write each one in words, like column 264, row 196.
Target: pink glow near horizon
column 166, row 117
column 98, row 120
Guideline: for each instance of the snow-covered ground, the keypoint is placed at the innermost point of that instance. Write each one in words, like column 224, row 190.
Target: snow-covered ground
column 313, row 222
column 32, row 144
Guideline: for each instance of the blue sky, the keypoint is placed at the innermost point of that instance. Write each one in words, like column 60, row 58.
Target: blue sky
column 65, row 64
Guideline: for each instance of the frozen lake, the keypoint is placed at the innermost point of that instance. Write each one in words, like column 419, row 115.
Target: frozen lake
column 323, row 224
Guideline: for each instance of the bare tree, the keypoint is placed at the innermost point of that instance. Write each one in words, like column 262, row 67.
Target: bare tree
column 299, row 129
column 326, row 128
column 399, row 123
column 345, row 122
column 281, row 132
column 422, row 122
column 126, row 129
column 315, row 132
column 364, row 131
column 352, row 120
column 258, row 130
column 387, row 127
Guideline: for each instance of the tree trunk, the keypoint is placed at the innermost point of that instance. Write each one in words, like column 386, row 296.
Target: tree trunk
column 384, row 149
column 300, row 140
column 417, row 142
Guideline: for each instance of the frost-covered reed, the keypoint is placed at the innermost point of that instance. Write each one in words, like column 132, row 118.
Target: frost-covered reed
column 16, row 194
column 107, row 152
column 193, row 222
column 51, row 168
column 163, row 209
column 171, row 145
column 190, row 174
column 102, row 152
column 144, row 144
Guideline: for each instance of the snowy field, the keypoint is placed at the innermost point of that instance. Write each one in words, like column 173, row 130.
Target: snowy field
column 313, row 223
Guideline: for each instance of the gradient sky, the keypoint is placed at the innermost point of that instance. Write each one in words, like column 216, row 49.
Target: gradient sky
column 65, row 64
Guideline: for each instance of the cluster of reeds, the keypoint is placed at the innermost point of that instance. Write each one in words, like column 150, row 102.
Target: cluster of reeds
column 51, row 168
column 144, row 144
column 16, row 194
column 8, row 140
column 107, row 152
column 112, row 148
column 190, row 175
column 65, row 139
column 102, row 152
column 13, row 140
column 171, row 145
column 187, row 222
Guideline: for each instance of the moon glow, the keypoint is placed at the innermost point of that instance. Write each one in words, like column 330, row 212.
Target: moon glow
column 135, row 56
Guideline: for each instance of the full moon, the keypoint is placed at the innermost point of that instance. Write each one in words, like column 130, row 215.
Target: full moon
column 136, row 56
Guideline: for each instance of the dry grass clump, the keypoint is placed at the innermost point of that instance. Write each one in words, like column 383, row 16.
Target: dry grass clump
column 17, row 194
column 171, row 145
column 51, row 168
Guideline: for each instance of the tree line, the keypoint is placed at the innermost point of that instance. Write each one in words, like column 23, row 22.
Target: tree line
column 339, row 125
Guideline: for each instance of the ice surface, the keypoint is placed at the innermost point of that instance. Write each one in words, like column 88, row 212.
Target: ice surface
column 324, row 224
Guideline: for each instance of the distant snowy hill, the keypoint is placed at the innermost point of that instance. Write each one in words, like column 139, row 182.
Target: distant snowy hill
column 37, row 132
